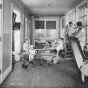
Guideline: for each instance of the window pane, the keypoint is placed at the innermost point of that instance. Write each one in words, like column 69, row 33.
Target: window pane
column 50, row 24
column 87, row 35
column 85, row 20
column 85, row 28
column 80, row 19
column 39, row 24
column 86, row 11
column 80, row 12
column 83, row 17
column 51, row 34
column 39, row 33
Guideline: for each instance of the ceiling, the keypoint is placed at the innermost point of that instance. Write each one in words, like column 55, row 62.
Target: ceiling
column 48, row 7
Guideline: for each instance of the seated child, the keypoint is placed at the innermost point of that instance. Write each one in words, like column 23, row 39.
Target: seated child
column 53, row 43
column 55, row 58
column 25, row 50
column 30, row 57
column 25, row 46
column 84, row 70
column 60, row 45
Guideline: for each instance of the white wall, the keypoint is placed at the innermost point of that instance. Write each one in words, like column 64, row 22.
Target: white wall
column 7, row 31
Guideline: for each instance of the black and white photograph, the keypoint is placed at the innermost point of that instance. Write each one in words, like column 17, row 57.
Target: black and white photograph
column 43, row 43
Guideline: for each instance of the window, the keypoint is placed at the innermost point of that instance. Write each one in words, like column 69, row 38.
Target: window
column 83, row 14
column 39, row 29
column 45, row 29
column 51, row 31
column 83, row 18
column 39, row 24
column 71, row 16
column 50, row 24
column 0, row 20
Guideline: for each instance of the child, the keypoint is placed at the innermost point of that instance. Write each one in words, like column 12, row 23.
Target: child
column 25, row 46
column 69, row 32
column 25, row 50
column 32, row 53
column 55, row 58
column 84, row 70
column 30, row 57
column 66, row 37
column 69, row 29
column 60, row 46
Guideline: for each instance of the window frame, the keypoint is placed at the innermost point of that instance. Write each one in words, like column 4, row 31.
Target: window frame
column 45, row 20
column 82, row 17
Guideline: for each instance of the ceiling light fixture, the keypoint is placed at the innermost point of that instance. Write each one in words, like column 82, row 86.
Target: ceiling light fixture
column 49, row 4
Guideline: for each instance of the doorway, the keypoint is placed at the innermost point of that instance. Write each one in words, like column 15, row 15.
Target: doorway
column 1, row 38
column 16, row 42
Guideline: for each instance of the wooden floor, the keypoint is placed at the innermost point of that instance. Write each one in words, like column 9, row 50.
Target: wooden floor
column 62, row 75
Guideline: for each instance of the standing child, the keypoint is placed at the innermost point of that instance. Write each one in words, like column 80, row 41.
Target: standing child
column 84, row 70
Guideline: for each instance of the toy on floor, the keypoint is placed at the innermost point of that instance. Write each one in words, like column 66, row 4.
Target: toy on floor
column 51, row 58
column 38, row 59
column 25, row 61
column 42, row 60
column 48, row 62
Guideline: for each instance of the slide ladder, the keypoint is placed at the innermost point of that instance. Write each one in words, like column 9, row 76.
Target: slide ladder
column 78, row 54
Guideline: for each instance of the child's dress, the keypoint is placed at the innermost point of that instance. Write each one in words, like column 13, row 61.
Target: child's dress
column 60, row 45
column 56, row 59
column 32, row 53
column 25, row 47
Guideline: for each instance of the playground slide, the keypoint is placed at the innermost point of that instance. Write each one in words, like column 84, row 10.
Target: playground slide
column 78, row 54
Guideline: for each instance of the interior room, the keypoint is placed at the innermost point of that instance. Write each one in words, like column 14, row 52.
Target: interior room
column 43, row 43
column 16, row 22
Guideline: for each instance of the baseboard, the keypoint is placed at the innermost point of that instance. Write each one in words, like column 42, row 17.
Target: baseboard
column 0, row 79
column 5, row 74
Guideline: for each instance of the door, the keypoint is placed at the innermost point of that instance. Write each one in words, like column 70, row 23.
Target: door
column 0, row 41
column 17, row 44
column 16, row 22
